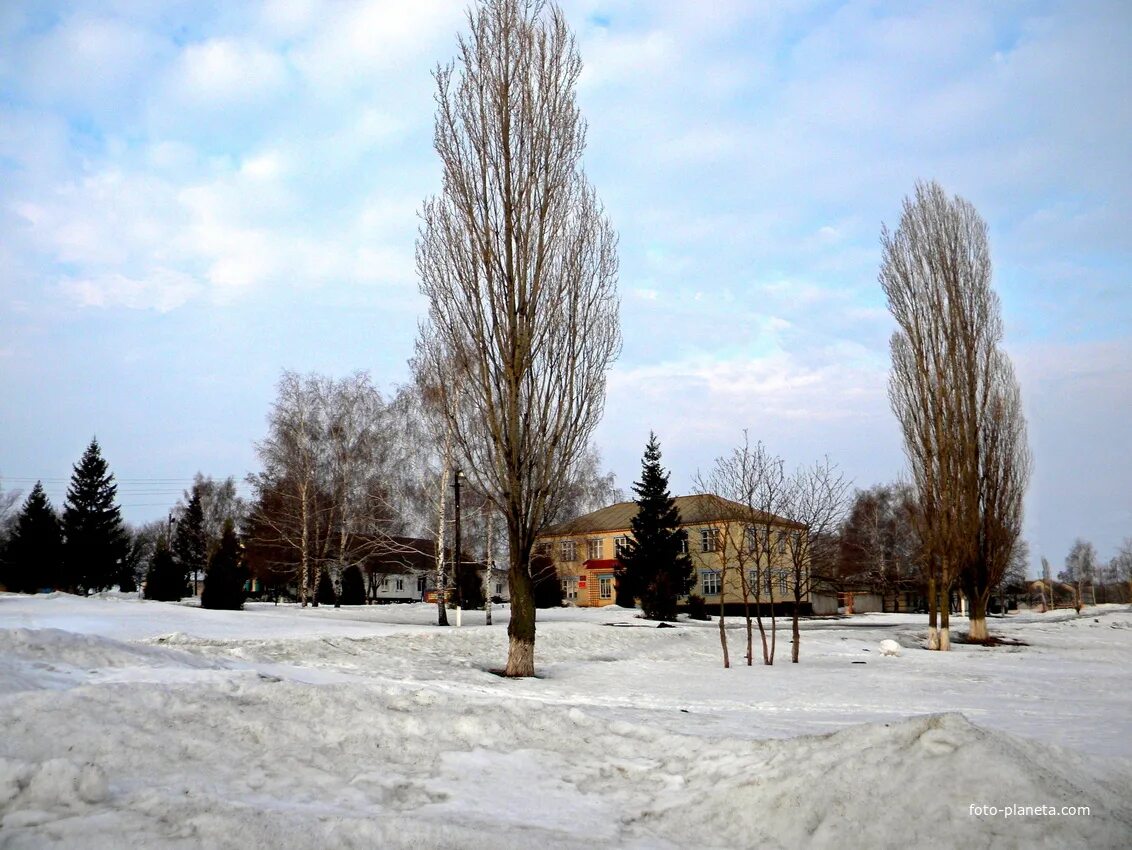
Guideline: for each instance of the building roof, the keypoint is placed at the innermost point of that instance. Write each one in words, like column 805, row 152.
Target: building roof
column 694, row 510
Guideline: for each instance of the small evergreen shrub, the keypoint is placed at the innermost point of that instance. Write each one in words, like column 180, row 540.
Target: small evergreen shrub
column 353, row 587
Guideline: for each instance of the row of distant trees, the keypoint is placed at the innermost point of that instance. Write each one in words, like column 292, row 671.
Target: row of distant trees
column 879, row 550
column 84, row 549
column 87, row 548
column 354, row 480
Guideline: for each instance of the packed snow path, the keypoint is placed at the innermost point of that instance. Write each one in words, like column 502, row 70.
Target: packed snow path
column 143, row 724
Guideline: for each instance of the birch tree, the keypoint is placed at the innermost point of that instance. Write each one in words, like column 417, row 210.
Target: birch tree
column 518, row 263
column 752, row 487
column 816, row 506
column 288, row 503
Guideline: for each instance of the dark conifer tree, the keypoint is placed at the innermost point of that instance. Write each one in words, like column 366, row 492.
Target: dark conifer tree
column 545, row 584
column 224, row 581
column 324, row 595
column 95, row 542
column 35, row 550
column 190, row 543
column 164, row 581
column 654, row 565
column 353, row 587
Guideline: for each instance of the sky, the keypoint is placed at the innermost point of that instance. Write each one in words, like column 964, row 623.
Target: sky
column 196, row 196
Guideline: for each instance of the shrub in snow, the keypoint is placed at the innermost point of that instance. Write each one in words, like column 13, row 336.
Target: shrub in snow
column 164, row 580
column 889, row 647
column 471, row 586
column 224, row 581
column 353, row 587
column 325, row 593
column 697, row 608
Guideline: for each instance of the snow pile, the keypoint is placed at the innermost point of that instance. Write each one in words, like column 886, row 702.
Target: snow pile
column 899, row 784
column 889, row 647
column 635, row 738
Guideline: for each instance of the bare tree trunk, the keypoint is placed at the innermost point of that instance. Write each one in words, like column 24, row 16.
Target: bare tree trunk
column 723, row 633
column 978, row 617
column 489, row 568
column 773, row 620
column 933, row 612
column 521, row 628
column 944, row 618
column 747, row 618
column 796, row 633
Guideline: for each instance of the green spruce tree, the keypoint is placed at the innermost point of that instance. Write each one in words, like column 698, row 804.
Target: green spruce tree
column 654, row 565
column 224, row 581
column 35, row 549
column 164, row 581
column 95, row 542
column 190, row 543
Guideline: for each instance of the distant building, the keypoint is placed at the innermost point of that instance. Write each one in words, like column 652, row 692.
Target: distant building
column 584, row 550
column 398, row 569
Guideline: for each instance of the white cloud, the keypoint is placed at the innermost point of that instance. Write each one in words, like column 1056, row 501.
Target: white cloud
column 165, row 290
column 224, row 71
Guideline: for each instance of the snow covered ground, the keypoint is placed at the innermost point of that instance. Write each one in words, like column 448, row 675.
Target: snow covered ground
column 145, row 724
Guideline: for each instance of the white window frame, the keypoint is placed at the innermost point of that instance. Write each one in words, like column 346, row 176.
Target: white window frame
column 781, row 543
column 596, row 548
column 400, row 584
column 709, row 539
column 605, row 587
column 715, row 578
column 684, row 544
column 570, row 588
column 619, row 544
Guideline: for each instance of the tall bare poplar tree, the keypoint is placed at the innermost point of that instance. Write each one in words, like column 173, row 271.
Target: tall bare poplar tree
column 519, row 266
column 957, row 400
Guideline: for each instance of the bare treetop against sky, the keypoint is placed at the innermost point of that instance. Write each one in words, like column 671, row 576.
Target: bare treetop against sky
column 195, row 196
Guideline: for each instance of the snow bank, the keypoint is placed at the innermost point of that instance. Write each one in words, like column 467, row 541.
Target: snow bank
column 309, row 737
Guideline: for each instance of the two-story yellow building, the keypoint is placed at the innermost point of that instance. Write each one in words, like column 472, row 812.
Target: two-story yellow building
column 730, row 546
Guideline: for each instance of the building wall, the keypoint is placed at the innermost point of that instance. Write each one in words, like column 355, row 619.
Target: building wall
column 583, row 587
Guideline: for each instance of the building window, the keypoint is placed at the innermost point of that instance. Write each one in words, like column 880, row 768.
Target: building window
column 570, row 588
column 781, row 544
column 605, row 587
column 421, row 584
column 400, row 584
column 709, row 581
column 385, row 583
column 684, row 544
column 569, row 550
column 620, row 544
column 752, row 538
column 709, row 539
column 596, row 549
column 499, row 588
column 542, row 548
column 784, row 583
